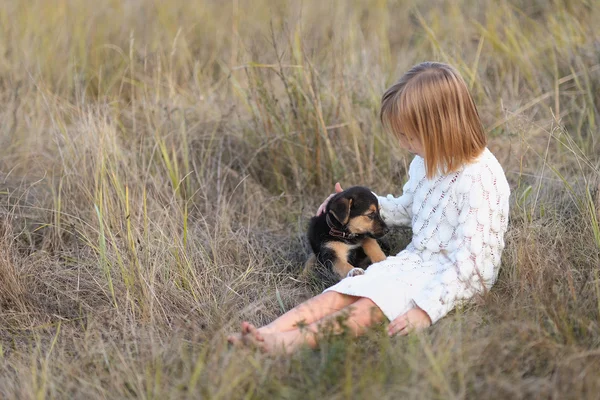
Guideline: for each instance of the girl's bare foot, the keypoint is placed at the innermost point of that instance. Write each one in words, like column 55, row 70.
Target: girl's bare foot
column 252, row 336
column 278, row 342
column 235, row 340
column 238, row 339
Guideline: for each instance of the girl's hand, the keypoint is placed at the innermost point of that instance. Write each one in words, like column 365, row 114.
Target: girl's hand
column 338, row 189
column 413, row 319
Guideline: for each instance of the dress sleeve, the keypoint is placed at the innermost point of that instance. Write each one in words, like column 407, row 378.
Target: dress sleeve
column 478, row 221
column 397, row 211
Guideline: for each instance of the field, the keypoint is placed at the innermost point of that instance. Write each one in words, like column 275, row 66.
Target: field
column 159, row 162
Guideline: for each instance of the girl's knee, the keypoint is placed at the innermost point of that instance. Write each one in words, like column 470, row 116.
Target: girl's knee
column 339, row 298
column 368, row 310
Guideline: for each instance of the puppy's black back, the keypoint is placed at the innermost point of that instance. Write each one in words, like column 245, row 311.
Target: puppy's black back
column 318, row 232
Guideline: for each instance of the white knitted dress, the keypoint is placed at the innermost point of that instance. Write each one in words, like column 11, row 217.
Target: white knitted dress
column 458, row 222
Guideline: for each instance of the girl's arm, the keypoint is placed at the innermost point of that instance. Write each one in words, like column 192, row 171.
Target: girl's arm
column 476, row 245
column 397, row 211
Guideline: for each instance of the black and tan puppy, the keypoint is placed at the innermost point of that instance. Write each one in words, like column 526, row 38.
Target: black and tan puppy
column 343, row 237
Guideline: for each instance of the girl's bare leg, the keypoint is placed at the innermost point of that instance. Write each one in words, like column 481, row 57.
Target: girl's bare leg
column 305, row 313
column 358, row 317
column 310, row 311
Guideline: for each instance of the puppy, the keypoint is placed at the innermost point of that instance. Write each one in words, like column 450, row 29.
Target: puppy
column 343, row 237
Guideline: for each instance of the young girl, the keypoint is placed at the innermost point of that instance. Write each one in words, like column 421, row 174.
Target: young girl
column 455, row 200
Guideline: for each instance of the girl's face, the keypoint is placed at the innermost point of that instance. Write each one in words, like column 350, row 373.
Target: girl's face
column 411, row 144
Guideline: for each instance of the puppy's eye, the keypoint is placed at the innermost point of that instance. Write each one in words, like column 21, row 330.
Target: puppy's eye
column 371, row 216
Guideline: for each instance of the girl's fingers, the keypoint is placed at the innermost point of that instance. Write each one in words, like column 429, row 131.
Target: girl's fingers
column 397, row 325
column 405, row 331
column 394, row 330
column 414, row 319
column 322, row 207
column 338, row 189
column 320, row 210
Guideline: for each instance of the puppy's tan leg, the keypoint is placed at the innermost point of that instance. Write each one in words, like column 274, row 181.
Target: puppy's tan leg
column 372, row 250
column 341, row 266
column 309, row 266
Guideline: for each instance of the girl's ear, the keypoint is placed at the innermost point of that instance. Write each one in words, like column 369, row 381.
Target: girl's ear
column 340, row 209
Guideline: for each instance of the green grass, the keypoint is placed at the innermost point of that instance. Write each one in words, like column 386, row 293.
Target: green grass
column 160, row 161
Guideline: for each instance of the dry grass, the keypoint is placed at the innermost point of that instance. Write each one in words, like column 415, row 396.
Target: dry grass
column 160, row 161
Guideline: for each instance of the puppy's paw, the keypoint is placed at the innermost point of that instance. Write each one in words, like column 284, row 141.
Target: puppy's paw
column 355, row 272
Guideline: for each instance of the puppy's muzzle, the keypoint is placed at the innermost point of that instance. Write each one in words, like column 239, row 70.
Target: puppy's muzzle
column 380, row 231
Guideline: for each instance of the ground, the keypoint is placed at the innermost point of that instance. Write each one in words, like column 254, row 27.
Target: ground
column 160, row 161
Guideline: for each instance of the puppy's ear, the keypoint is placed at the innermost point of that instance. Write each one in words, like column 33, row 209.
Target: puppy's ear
column 340, row 210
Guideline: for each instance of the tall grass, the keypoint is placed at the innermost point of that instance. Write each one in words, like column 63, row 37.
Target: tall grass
column 160, row 160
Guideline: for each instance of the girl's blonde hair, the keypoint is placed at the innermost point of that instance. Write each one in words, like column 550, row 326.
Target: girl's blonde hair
column 431, row 103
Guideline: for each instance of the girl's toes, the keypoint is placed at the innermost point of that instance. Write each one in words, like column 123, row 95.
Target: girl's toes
column 235, row 340
column 246, row 327
column 254, row 341
column 253, row 330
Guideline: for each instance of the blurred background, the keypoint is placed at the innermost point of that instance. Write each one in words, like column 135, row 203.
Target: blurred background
column 159, row 162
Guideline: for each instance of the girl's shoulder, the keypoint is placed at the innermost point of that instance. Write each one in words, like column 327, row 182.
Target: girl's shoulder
column 487, row 161
column 487, row 170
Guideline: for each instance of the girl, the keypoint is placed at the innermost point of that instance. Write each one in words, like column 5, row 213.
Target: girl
column 455, row 200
